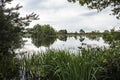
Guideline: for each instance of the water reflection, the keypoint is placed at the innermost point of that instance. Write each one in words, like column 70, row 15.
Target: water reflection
column 81, row 39
column 64, row 43
column 113, row 38
column 14, row 68
column 43, row 41
column 75, row 37
column 94, row 37
column 62, row 37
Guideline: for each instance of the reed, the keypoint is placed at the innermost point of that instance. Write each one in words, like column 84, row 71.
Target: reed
column 90, row 64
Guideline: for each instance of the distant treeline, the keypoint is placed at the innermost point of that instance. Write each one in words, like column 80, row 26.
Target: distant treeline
column 47, row 30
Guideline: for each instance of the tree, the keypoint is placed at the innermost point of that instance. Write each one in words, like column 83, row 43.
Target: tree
column 9, row 67
column 106, row 31
column 82, row 31
column 112, row 30
column 63, row 31
column 102, row 4
column 12, row 26
column 44, row 30
column 43, row 35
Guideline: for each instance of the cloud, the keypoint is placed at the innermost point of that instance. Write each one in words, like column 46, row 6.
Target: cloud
column 64, row 15
column 89, row 13
column 45, row 4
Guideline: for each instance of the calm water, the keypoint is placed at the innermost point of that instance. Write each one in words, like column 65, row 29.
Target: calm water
column 18, row 67
column 65, row 43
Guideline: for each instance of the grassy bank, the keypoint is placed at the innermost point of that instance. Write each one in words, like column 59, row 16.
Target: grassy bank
column 90, row 64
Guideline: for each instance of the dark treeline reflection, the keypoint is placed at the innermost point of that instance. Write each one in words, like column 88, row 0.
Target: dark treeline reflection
column 43, row 41
column 43, row 35
column 94, row 37
column 113, row 38
column 47, row 41
column 62, row 37
column 81, row 39
column 75, row 37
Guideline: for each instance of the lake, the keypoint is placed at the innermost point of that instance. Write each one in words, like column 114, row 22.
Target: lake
column 73, row 43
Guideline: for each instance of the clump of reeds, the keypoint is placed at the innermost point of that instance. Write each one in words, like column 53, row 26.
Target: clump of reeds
column 90, row 64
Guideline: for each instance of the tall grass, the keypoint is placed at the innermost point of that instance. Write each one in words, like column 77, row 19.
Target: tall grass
column 90, row 64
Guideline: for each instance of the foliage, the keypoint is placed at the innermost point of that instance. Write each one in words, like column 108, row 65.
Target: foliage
column 112, row 38
column 9, row 67
column 44, row 30
column 62, row 31
column 89, row 64
column 43, row 35
column 12, row 26
column 101, row 4
column 106, row 31
column 11, row 32
column 61, row 65
column 110, row 65
column 82, row 31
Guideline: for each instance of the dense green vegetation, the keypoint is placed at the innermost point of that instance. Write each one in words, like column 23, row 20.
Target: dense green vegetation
column 11, row 32
column 12, row 26
column 62, row 31
column 43, row 35
column 82, row 31
column 43, row 30
column 9, row 67
column 90, row 64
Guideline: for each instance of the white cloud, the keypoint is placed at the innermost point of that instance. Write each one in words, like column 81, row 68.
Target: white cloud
column 64, row 15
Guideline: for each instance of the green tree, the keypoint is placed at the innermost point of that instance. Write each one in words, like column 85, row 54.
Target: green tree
column 106, row 31
column 48, row 30
column 11, row 32
column 43, row 35
column 82, row 31
column 9, row 67
column 102, row 4
column 12, row 26
column 44, row 30
column 112, row 30
column 62, row 31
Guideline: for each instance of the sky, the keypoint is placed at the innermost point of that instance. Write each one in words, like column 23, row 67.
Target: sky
column 61, row 14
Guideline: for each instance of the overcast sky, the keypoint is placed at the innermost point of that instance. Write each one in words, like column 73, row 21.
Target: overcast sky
column 61, row 14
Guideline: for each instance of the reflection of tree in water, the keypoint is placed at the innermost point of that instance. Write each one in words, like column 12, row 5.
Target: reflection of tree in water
column 43, row 35
column 75, row 37
column 43, row 41
column 112, row 38
column 81, row 39
column 93, row 37
column 62, row 37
